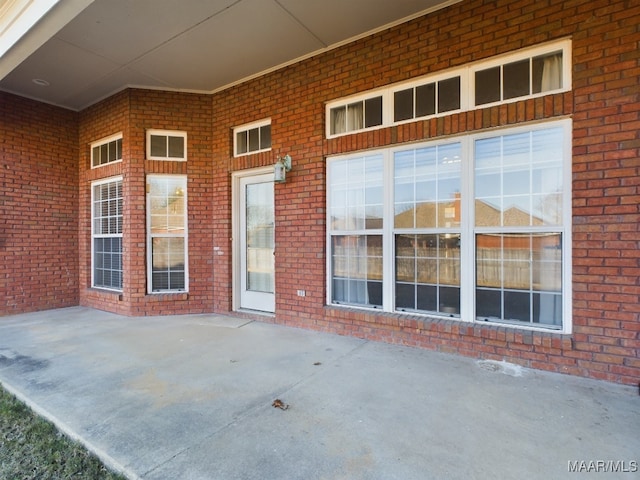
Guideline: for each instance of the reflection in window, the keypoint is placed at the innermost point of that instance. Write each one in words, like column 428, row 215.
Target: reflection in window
column 167, row 222
column 107, row 234
column 357, row 193
column 519, row 278
column 356, row 262
column 428, row 273
column 518, row 179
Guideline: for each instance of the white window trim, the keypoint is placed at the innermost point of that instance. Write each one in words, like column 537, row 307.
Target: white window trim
column 166, row 133
column 99, row 143
column 246, row 127
column 94, row 235
column 150, row 238
column 523, row 54
column 467, row 86
column 467, row 229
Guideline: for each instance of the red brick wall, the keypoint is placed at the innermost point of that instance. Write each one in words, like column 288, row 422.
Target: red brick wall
column 38, row 206
column 604, row 104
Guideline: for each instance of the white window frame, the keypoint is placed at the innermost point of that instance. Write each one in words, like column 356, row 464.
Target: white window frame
column 468, row 229
column 467, row 87
column 106, row 141
column 257, row 125
column 432, row 79
column 361, row 97
column 151, row 236
column 95, row 235
column 524, row 54
column 167, row 134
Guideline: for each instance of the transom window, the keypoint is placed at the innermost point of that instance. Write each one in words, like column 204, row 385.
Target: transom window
column 526, row 73
column 167, row 233
column 475, row 227
column 426, row 99
column 107, row 150
column 166, row 145
column 252, row 138
column 519, row 77
column 356, row 115
column 106, row 233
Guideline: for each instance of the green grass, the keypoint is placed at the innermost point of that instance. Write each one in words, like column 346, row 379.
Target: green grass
column 32, row 448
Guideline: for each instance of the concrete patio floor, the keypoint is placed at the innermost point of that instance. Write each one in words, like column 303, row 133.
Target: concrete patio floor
column 191, row 397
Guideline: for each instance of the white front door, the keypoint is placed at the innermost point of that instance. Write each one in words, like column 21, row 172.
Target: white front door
column 255, row 242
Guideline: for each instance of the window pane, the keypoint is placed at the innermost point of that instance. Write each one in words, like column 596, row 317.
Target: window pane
column 357, row 269
column 167, row 204
column 176, row 147
column 487, row 86
column 254, row 139
column 428, row 272
column 403, row 105
column 112, row 151
column 355, row 116
column 373, row 112
column 427, row 187
column 519, row 277
column 449, row 94
column 265, row 137
column 426, row 100
column 356, row 193
column 158, row 146
column 241, row 142
column 168, row 264
column 119, row 149
column 516, row 79
column 547, row 72
column 104, row 154
column 338, row 120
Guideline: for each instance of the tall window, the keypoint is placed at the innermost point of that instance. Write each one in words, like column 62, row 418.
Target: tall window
column 167, row 233
column 356, row 216
column 106, row 233
column 519, row 226
column 475, row 228
column 427, row 183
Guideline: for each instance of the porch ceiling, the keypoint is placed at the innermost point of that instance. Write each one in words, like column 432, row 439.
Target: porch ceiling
column 82, row 51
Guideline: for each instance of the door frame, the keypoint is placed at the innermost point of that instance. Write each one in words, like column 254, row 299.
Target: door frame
column 236, row 233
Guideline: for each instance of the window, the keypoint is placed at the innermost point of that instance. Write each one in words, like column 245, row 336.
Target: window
column 475, row 227
column 518, row 226
column 107, row 150
column 427, row 99
column 427, row 183
column 527, row 73
column 106, row 233
column 520, row 75
column 356, row 216
column 167, row 233
column 252, row 138
column 355, row 115
column 166, row 145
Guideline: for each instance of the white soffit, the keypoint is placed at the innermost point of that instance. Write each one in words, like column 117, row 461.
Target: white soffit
column 86, row 50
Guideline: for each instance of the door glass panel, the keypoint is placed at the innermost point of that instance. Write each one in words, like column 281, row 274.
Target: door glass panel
column 260, row 237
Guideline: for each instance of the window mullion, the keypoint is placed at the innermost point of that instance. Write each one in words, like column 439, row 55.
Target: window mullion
column 388, row 257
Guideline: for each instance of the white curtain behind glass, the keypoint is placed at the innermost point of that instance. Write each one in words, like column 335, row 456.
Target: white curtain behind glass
column 552, row 72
